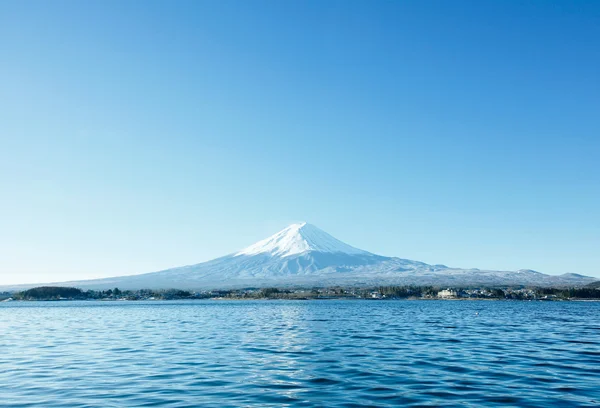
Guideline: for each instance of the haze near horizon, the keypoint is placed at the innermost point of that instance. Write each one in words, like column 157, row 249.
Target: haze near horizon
column 138, row 139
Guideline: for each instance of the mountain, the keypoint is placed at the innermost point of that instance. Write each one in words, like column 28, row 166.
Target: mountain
column 304, row 255
column 593, row 285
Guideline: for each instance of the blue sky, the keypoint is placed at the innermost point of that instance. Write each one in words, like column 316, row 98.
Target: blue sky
column 137, row 136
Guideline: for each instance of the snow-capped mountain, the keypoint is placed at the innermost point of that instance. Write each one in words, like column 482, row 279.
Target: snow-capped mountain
column 298, row 239
column 302, row 255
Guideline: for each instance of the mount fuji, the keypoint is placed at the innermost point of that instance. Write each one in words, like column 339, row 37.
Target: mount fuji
column 304, row 255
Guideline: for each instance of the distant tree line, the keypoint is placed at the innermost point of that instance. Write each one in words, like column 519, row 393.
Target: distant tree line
column 381, row 292
column 50, row 293
column 58, row 292
column 116, row 293
column 572, row 293
column 402, row 292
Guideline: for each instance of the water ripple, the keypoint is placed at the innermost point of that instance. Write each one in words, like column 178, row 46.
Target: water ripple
column 300, row 354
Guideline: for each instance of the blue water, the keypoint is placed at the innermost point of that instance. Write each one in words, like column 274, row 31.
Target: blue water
column 299, row 353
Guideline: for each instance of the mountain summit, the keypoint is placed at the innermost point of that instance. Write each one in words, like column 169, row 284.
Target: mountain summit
column 304, row 255
column 298, row 239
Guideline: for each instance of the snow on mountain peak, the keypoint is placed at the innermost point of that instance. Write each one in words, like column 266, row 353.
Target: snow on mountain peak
column 297, row 239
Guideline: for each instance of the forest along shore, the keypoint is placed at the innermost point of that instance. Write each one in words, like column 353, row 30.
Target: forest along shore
column 54, row 293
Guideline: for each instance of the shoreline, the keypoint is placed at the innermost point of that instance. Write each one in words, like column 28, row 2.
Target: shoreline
column 294, row 299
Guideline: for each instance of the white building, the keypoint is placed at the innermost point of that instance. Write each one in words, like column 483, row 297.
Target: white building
column 447, row 293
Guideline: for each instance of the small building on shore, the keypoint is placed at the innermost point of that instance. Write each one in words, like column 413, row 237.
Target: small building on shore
column 447, row 294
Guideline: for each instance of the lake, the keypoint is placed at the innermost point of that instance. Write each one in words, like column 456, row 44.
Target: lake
column 337, row 353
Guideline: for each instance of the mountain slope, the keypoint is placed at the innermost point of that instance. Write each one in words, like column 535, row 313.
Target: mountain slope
column 302, row 254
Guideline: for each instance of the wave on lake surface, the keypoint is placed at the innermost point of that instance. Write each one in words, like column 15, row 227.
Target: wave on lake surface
column 295, row 353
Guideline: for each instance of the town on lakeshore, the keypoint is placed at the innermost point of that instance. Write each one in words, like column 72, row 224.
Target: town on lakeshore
column 54, row 293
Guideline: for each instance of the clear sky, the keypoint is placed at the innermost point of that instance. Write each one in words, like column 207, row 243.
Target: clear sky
column 142, row 135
